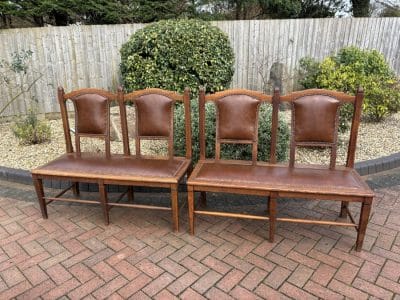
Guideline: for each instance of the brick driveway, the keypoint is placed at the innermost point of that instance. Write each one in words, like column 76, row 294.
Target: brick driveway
column 73, row 255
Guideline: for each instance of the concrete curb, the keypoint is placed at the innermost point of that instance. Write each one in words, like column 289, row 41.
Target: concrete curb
column 364, row 168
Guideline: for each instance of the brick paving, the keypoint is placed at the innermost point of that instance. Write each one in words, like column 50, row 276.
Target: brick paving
column 73, row 255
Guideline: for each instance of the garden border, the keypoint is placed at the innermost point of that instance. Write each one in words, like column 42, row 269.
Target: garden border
column 367, row 167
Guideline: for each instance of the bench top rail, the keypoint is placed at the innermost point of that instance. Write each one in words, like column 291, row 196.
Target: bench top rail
column 92, row 115
column 237, row 118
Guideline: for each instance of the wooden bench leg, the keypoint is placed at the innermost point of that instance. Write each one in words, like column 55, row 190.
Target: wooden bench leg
column 104, row 202
column 272, row 217
column 174, row 207
column 343, row 209
column 75, row 189
column 131, row 196
column 203, row 199
column 190, row 194
column 363, row 222
column 38, row 182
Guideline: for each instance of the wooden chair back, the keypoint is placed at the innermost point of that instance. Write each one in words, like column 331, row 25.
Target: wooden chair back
column 315, row 121
column 237, row 117
column 92, row 116
column 155, row 118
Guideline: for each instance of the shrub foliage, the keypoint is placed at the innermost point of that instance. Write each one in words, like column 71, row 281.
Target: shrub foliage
column 352, row 67
column 30, row 130
column 173, row 54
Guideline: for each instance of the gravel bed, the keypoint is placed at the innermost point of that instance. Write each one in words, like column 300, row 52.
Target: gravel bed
column 374, row 140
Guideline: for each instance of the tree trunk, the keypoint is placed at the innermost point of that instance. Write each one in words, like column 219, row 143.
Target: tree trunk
column 361, row 8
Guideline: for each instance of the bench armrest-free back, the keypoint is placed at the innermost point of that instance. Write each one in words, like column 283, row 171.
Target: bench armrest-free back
column 315, row 120
column 155, row 118
column 92, row 116
column 237, row 117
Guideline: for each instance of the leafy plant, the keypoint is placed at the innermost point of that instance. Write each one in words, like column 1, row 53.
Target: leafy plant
column 173, row 54
column 350, row 68
column 30, row 130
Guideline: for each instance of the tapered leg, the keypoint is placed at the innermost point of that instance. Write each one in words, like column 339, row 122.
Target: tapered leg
column 191, row 208
column 343, row 209
column 362, row 225
column 75, row 188
column 203, row 199
column 40, row 195
column 174, row 206
column 104, row 202
column 272, row 217
column 131, row 196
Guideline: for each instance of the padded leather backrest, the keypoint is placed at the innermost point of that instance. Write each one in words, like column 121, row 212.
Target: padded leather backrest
column 315, row 118
column 154, row 115
column 91, row 114
column 237, row 117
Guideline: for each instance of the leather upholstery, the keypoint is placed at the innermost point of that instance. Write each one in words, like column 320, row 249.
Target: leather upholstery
column 279, row 178
column 315, row 118
column 91, row 114
column 154, row 115
column 237, row 117
column 94, row 165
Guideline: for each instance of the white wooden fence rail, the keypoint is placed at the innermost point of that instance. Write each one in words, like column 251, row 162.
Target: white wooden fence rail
column 88, row 56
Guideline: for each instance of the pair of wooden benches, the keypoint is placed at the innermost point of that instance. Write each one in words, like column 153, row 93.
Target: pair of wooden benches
column 315, row 118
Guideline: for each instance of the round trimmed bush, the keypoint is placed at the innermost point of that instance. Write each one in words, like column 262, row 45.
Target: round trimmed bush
column 174, row 54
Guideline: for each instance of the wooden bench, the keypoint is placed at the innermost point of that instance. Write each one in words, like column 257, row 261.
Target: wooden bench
column 154, row 120
column 315, row 117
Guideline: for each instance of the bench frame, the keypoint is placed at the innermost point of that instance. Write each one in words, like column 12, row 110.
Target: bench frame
column 273, row 193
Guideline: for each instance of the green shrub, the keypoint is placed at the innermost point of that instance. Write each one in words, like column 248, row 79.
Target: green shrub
column 230, row 151
column 352, row 67
column 30, row 130
column 174, row 54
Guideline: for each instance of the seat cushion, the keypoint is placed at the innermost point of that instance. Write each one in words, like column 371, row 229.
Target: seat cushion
column 279, row 178
column 117, row 167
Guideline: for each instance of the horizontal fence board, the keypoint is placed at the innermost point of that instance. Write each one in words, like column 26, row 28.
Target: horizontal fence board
column 88, row 56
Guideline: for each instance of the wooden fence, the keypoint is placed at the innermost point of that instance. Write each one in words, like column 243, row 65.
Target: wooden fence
column 88, row 56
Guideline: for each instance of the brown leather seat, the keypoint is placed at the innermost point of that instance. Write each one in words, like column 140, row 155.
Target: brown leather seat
column 117, row 167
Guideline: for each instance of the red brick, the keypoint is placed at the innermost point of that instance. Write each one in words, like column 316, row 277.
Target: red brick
column 223, row 250
column 277, row 277
column 241, row 293
column 346, row 273
column 216, row 265
column 369, row 271
column 190, row 294
column 150, row 268
column 172, row 267
column 158, row 284
column 260, row 262
column 134, row 286
column 86, row 288
column 183, row 282
column 284, row 247
column 230, row 280
column 119, row 256
column 321, row 291
column 282, row 261
column 302, row 259
column 33, row 261
column 163, row 295
column 37, row 291
column 244, row 249
column 33, row 248
column 53, row 260
column 300, row 276
column 15, row 290
column 251, row 280
column 77, row 258
column 61, row 289
column 114, row 243
column 58, row 274
column 215, row 293
column 323, row 274
column 265, row 292
column 325, row 258
column 344, row 256
column 206, row 281
column 238, row 263
column 391, row 270
column 127, row 270
column 346, row 290
column 109, row 288
column 194, row 266
column 73, row 246
column 372, row 289
column 103, row 270
column 388, row 284
column 81, row 272
column 35, row 275
column 12, row 276
column 305, row 245
column 162, row 253
column 264, row 248
column 294, row 292
column 202, row 252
